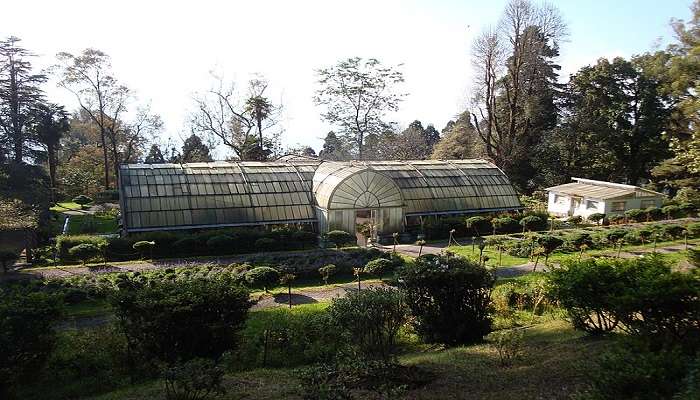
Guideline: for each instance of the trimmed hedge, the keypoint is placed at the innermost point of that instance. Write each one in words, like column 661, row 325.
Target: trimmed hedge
column 186, row 244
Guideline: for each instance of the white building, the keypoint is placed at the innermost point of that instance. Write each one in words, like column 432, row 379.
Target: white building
column 586, row 196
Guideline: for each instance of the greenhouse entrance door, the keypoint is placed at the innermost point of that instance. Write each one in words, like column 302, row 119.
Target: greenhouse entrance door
column 366, row 225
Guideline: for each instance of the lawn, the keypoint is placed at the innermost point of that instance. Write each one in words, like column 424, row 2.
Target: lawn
column 553, row 367
column 66, row 206
column 87, row 223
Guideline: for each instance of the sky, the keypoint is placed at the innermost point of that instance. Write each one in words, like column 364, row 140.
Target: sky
column 165, row 50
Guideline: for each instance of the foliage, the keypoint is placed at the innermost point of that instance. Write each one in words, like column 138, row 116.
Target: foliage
column 82, row 200
column 171, row 320
column 327, row 271
column 262, row 277
column 630, row 370
column 635, row 215
column 530, row 222
column 549, row 243
column 576, row 219
column 596, row 217
column 694, row 257
column 448, row 297
column 478, row 225
column 195, row 379
column 84, row 252
column 504, row 224
column 143, row 246
column 27, row 335
column 221, row 244
column 65, row 242
column 379, row 267
column 370, row 320
column 17, row 215
column 265, row 244
column 509, row 344
column 670, row 211
column 7, row 258
column 340, row 238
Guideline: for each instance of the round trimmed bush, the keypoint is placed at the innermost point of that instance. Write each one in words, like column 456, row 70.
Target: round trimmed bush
column 379, row 266
column 221, row 244
column 596, row 218
column 504, row 225
column 635, row 215
column 82, row 200
column 84, row 252
column 478, row 225
column 530, row 223
column 265, row 244
column 262, row 277
column 327, row 271
column 340, row 238
column 143, row 247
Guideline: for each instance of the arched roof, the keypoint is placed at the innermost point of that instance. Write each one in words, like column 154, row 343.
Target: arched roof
column 353, row 186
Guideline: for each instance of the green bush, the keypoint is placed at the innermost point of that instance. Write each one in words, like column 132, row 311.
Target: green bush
column 379, row 267
column 693, row 229
column 266, row 244
column 694, row 257
column 596, row 218
column 27, row 336
column 84, row 252
column 340, row 238
column 670, row 211
column 449, row 298
column 635, row 215
column 532, row 222
column 327, row 271
column 7, row 258
column 504, row 225
column 221, row 244
column 673, row 231
column 370, row 320
column 144, row 247
column 262, row 277
column 182, row 319
column 193, row 380
column 632, row 371
column 653, row 213
column 616, row 219
column 82, row 200
column 576, row 219
column 478, row 225
column 549, row 243
column 188, row 245
column 65, row 242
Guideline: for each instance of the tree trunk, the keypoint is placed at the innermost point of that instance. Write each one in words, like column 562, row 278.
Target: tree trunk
column 105, row 157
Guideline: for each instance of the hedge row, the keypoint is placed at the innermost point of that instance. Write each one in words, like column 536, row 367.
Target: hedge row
column 440, row 228
column 180, row 244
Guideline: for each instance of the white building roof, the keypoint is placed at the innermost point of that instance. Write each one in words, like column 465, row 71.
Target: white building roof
column 601, row 190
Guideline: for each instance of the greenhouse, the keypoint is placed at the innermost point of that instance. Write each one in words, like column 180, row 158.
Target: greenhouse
column 329, row 195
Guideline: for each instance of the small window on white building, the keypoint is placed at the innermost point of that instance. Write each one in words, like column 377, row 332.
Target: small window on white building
column 648, row 203
column 618, row 206
column 591, row 204
column 559, row 199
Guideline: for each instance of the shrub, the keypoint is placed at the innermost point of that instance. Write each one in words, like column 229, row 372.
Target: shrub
column 531, row 223
column 7, row 258
column 340, row 238
column 371, row 320
column 614, row 236
column 596, row 218
column 616, row 219
column 27, row 335
column 84, row 252
column 262, row 277
column 575, row 220
column 687, row 209
column 195, row 379
column 694, row 257
column 82, row 200
column 171, row 320
column 265, row 244
column 693, row 229
column 587, row 290
column 188, row 245
column 143, row 247
column 379, row 266
column 65, row 242
column 478, row 225
column 509, row 344
column 549, row 243
column 635, row 215
column 674, row 231
column 504, row 225
column 670, row 211
column 449, row 298
column 327, row 271
column 221, row 244
column 631, row 371
column 653, row 213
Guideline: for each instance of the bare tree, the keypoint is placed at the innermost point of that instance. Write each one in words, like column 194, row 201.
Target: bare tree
column 88, row 77
column 357, row 94
column 510, row 61
column 243, row 123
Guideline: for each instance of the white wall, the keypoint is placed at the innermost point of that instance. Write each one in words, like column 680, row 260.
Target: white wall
column 561, row 205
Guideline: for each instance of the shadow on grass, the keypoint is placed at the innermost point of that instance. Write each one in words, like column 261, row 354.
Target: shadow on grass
column 283, row 298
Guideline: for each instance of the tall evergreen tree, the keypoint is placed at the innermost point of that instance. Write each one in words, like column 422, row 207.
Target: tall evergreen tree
column 51, row 123
column 154, row 156
column 334, row 148
column 20, row 97
column 194, row 150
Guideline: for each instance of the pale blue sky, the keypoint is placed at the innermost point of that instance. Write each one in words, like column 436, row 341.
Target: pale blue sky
column 164, row 50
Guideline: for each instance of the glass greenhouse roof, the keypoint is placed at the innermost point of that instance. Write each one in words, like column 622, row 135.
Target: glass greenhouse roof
column 199, row 195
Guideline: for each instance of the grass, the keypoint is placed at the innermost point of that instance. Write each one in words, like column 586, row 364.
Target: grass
column 87, row 223
column 88, row 308
column 66, row 206
column 553, row 367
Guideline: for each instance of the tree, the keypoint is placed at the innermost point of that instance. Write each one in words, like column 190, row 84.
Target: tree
column 516, row 86
column 155, row 156
column 327, row 271
column 194, row 150
column 50, row 126
column 20, row 96
column 616, row 114
column 356, row 95
column 238, row 121
column 411, row 144
column 102, row 98
column 334, row 148
column 459, row 140
column 478, row 224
